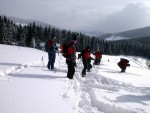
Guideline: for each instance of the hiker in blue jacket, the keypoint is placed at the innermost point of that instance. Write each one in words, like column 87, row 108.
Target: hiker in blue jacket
column 51, row 49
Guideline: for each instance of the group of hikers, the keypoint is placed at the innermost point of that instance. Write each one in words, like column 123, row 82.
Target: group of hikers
column 85, row 55
column 68, row 50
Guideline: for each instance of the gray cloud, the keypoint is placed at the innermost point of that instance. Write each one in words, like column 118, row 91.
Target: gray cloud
column 131, row 17
column 87, row 15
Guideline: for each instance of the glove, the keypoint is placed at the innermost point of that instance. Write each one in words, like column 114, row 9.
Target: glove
column 91, row 58
column 56, row 48
column 129, row 65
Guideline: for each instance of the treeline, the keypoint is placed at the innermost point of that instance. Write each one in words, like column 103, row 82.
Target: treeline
column 32, row 35
column 135, row 47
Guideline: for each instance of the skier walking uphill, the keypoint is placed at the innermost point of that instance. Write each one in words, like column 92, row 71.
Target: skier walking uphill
column 51, row 49
column 123, row 64
column 71, row 57
column 98, row 56
column 86, row 59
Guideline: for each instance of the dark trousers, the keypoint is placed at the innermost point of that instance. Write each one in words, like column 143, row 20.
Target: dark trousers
column 123, row 67
column 51, row 60
column 97, row 61
column 85, row 65
column 89, row 66
column 71, row 69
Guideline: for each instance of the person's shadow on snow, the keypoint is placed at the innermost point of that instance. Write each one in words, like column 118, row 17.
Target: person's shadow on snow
column 57, row 70
column 134, row 98
column 36, row 76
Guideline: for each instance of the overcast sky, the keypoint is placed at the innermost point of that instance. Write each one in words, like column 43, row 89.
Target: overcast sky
column 85, row 15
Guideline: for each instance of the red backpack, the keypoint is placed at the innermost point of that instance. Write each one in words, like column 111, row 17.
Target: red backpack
column 85, row 54
column 98, row 54
column 48, row 45
column 64, row 49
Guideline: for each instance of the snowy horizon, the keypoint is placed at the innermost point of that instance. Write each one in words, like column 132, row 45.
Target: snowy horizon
column 114, row 38
column 27, row 86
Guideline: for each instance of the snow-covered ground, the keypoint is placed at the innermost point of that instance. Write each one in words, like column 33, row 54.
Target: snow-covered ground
column 114, row 38
column 27, row 86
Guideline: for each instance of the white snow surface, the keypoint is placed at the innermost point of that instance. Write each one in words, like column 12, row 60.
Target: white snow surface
column 27, row 86
column 22, row 24
column 114, row 38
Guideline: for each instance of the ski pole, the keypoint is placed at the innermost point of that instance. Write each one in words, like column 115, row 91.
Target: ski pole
column 42, row 61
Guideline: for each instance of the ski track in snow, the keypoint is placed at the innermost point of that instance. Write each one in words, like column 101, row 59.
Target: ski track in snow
column 133, row 59
column 17, row 68
column 90, row 102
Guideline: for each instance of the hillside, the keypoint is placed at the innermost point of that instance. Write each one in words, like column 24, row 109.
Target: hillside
column 136, row 33
column 22, row 21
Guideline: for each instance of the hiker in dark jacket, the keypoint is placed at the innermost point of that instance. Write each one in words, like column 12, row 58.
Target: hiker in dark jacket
column 50, row 47
column 123, row 64
column 86, row 59
column 71, row 59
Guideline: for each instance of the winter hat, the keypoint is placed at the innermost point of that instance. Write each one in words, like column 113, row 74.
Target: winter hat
column 74, row 37
column 88, row 47
column 53, row 36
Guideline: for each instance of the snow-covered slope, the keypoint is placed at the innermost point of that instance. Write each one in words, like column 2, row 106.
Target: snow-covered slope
column 27, row 86
column 114, row 38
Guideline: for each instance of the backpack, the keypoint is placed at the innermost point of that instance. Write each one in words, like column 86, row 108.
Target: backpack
column 98, row 54
column 48, row 45
column 64, row 49
column 124, row 60
column 85, row 54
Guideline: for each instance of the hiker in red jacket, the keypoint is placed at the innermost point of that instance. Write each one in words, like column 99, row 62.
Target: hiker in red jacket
column 123, row 64
column 98, row 56
column 71, row 59
column 86, row 59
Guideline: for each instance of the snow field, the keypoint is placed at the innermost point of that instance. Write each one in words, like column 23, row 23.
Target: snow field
column 27, row 86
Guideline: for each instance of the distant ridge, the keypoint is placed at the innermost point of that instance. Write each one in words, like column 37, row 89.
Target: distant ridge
column 135, row 33
column 28, row 21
